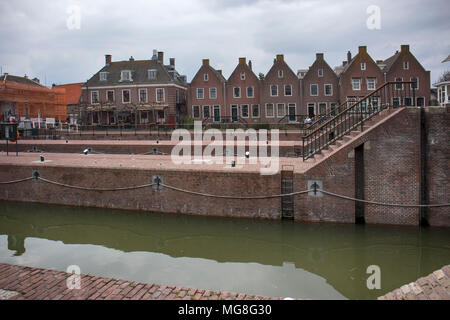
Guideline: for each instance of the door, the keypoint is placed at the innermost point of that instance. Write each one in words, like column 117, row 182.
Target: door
column 216, row 113
column 311, row 108
column 234, row 113
column 292, row 112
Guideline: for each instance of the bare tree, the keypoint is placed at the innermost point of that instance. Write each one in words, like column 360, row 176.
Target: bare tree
column 445, row 76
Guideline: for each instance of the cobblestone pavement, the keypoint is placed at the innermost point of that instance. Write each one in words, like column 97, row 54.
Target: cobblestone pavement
column 27, row 283
column 435, row 286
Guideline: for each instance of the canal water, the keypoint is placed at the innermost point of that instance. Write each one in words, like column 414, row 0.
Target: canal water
column 270, row 258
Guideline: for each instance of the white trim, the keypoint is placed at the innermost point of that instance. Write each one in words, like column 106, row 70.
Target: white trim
column 146, row 95
column 401, row 80
column 325, row 89
column 273, row 111
column 363, row 66
column 253, row 91
column 129, row 95
column 98, row 97
column 210, row 93
column 243, row 74
column 206, row 107
column 148, row 74
column 310, row 89
column 374, row 83
column 259, row 110
column 126, row 86
column 234, row 93
column 205, row 77
column 164, row 95
column 288, row 115
column 282, row 74
column 199, row 112
column 318, row 107
column 270, row 88
column 410, row 79
column 248, row 110
column 203, row 90
column 231, row 110
column 287, row 95
column 407, row 65
column 121, row 75
column 320, row 75
column 284, row 109
column 103, row 73
column 353, row 88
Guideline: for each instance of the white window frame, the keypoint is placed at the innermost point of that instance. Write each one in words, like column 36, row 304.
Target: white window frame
column 325, row 89
column 359, row 82
column 129, row 95
column 146, row 95
column 163, row 95
column 199, row 112
column 253, row 92
column 289, row 105
column 98, row 97
column 213, row 116
column 231, row 111
column 284, row 110
column 103, row 76
column 310, row 89
column 405, row 65
column 205, row 77
column 242, row 110
column 287, row 95
column 363, row 66
column 203, row 93
column 259, row 111
column 215, row 93
column 318, row 107
column 270, row 88
column 122, row 72
column 309, row 104
column 320, row 73
column 242, row 75
column 234, row 92
column 280, row 74
column 114, row 96
column 417, row 82
column 374, row 83
column 397, row 85
column 150, row 72
column 273, row 110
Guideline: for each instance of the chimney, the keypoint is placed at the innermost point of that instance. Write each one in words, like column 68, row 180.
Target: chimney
column 172, row 62
column 344, row 63
column 242, row 60
column 205, row 62
column 155, row 54
column 108, row 59
column 349, row 56
column 319, row 56
column 220, row 72
column 280, row 57
column 131, row 59
column 161, row 57
column 250, row 64
column 362, row 49
column 36, row 80
column 404, row 48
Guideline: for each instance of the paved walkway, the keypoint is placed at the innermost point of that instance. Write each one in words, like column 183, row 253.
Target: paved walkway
column 27, row 283
column 435, row 286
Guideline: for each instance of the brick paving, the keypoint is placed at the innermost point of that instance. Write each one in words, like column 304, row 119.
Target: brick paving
column 27, row 283
column 435, row 286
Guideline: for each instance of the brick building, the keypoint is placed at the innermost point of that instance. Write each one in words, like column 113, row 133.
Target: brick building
column 403, row 66
column 359, row 76
column 134, row 92
column 72, row 92
column 243, row 94
column 207, row 94
column 320, row 86
column 23, row 98
column 280, row 93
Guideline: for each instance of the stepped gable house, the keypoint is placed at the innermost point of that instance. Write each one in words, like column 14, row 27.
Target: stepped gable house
column 320, row 86
column 280, row 93
column 134, row 92
column 207, row 94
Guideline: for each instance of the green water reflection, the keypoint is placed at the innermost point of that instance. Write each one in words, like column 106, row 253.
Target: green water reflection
column 272, row 258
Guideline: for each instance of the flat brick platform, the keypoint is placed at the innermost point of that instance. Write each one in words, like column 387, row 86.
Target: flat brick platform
column 27, row 283
column 435, row 286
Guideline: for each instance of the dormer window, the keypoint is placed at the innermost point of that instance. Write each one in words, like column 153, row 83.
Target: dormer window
column 280, row 73
column 242, row 75
column 406, row 65
column 152, row 74
column 205, row 77
column 320, row 72
column 125, row 75
column 103, row 76
column 363, row 66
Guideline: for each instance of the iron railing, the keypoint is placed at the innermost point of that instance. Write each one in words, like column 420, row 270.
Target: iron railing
column 390, row 94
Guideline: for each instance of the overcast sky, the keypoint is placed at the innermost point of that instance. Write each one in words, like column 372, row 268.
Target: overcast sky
column 36, row 39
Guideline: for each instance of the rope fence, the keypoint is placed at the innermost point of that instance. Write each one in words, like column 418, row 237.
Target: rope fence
column 158, row 183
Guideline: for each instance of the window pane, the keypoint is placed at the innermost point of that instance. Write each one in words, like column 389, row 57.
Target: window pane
column 269, row 110
column 288, row 90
